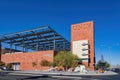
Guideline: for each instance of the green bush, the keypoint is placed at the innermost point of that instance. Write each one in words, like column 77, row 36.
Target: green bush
column 9, row 65
column 45, row 63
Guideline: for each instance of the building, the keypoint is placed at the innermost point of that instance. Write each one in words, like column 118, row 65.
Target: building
column 82, row 42
column 32, row 46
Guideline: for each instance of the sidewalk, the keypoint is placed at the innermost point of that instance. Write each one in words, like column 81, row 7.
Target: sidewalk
column 60, row 73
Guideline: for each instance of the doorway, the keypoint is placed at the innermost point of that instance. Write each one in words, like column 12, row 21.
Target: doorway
column 16, row 66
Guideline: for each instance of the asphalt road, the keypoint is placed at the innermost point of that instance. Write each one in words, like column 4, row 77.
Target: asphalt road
column 6, row 76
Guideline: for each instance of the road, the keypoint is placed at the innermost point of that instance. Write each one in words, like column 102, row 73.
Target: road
column 7, row 76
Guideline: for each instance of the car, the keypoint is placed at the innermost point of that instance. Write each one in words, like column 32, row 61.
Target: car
column 115, row 70
column 1, row 69
column 5, row 69
column 9, row 69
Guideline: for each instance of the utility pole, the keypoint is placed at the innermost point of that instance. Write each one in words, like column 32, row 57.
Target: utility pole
column 102, row 58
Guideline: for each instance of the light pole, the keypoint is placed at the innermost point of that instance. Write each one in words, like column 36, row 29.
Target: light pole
column 109, row 55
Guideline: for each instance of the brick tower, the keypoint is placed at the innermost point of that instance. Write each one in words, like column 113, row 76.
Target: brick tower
column 82, row 42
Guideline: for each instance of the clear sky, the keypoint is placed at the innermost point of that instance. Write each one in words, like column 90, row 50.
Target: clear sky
column 19, row 15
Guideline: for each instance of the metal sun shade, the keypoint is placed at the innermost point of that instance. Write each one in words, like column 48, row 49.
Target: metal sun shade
column 43, row 38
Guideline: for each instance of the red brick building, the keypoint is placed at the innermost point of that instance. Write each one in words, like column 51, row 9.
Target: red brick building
column 37, row 44
column 43, row 42
column 24, row 61
column 82, row 42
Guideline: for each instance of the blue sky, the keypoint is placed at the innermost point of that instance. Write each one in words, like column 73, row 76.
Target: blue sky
column 19, row 15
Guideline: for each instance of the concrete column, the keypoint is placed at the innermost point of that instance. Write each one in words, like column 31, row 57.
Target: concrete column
column 37, row 45
column 23, row 44
column 11, row 46
column 64, row 46
column 37, row 49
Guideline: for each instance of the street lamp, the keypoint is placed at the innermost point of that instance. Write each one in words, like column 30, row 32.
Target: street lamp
column 109, row 55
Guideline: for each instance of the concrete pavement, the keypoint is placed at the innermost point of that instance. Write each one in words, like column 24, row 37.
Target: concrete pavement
column 58, row 75
column 61, row 73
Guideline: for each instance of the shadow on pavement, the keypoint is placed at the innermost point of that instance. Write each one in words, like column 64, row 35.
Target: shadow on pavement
column 36, row 77
column 3, row 73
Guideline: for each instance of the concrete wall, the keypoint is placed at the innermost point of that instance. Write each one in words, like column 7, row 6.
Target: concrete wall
column 80, row 49
column 84, row 31
column 26, row 59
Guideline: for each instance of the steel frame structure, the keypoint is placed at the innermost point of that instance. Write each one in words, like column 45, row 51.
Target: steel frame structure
column 38, row 39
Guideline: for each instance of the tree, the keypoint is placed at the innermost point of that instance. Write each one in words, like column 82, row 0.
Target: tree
column 54, row 64
column 74, row 63
column 102, row 64
column 2, row 63
column 66, row 60
column 107, row 65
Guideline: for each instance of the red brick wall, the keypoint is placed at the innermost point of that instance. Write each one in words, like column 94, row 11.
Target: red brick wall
column 26, row 59
column 84, row 31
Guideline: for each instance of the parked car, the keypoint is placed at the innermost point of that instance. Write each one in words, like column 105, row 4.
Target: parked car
column 115, row 70
column 9, row 69
column 6, row 69
column 1, row 69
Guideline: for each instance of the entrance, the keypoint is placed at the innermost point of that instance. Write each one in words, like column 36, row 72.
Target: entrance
column 16, row 66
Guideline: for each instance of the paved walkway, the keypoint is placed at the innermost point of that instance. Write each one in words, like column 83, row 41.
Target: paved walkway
column 61, row 73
